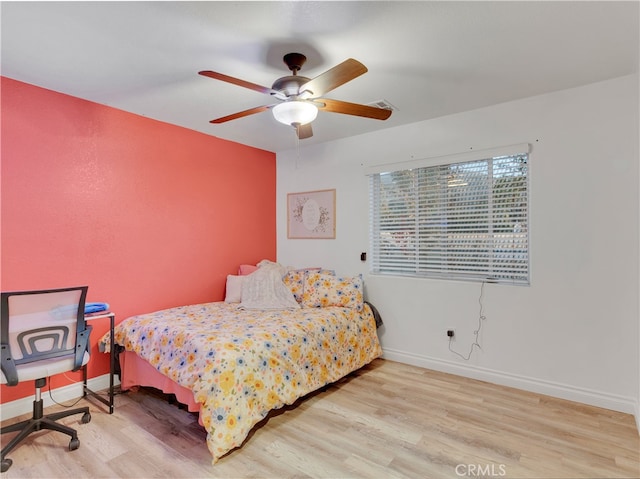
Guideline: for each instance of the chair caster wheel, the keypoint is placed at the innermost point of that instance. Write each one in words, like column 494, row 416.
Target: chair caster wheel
column 74, row 444
column 86, row 417
column 5, row 465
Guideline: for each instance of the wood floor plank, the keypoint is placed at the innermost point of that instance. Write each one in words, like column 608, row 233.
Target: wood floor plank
column 386, row 420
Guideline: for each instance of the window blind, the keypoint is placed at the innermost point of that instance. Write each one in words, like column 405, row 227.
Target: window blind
column 464, row 220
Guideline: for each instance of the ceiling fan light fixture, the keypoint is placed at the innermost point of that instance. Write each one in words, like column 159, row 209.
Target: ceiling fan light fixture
column 295, row 111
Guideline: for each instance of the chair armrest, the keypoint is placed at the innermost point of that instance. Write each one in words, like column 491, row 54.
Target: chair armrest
column 82, row 345
column 8, row 366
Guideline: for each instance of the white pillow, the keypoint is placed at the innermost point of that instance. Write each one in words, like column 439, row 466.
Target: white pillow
column 234, row 289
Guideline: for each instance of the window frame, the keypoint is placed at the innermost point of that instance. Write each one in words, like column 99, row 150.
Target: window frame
column 484, row 260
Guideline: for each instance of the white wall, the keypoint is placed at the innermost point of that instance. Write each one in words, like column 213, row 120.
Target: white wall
column 574, row 332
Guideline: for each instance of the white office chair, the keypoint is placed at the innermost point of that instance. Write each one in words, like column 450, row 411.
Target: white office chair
column 43, row 333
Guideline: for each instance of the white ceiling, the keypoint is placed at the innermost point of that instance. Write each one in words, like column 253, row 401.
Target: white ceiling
column 427, row 59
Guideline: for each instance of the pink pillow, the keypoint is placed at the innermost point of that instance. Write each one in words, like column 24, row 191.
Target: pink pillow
column 246, row 269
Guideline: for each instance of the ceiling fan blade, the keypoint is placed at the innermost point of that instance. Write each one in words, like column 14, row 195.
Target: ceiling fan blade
column 304, row 131
column 338, row 106
column 240, row 114
column 333, row 78
column 242, row 83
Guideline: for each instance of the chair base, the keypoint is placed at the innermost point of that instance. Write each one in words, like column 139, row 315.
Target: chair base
column 39, row 422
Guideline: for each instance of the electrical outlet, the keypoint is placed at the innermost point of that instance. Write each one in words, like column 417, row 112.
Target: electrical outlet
column 450, row 333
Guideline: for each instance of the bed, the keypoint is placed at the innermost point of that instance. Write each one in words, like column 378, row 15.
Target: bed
column 234, row 361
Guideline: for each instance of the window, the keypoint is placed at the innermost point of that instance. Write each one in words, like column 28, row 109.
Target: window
column 465, row 220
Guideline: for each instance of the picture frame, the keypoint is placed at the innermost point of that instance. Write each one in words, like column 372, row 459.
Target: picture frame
column 311, row 215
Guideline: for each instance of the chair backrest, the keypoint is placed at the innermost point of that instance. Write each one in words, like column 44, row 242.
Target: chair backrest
column 42, row 325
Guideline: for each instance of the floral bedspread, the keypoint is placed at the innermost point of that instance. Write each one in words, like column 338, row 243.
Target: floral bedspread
column 240, row 364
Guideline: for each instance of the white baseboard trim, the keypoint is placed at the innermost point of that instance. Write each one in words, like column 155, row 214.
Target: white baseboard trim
column 61, row 395
column 563, row 391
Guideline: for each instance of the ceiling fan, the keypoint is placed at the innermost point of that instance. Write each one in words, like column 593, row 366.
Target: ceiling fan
column 300, row 97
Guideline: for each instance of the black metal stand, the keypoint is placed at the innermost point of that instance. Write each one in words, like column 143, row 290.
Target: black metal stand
column 112, row 364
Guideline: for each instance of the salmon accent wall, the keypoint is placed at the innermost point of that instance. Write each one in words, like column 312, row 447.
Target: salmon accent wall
column 147, row 214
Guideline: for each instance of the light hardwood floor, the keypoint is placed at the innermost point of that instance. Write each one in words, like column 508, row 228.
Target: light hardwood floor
column 388, row 420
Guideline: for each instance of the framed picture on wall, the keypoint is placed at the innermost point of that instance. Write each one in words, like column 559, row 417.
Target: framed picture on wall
column 311, row 215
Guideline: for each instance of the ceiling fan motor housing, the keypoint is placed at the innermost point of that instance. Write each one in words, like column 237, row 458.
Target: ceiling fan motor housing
column 289, row 85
